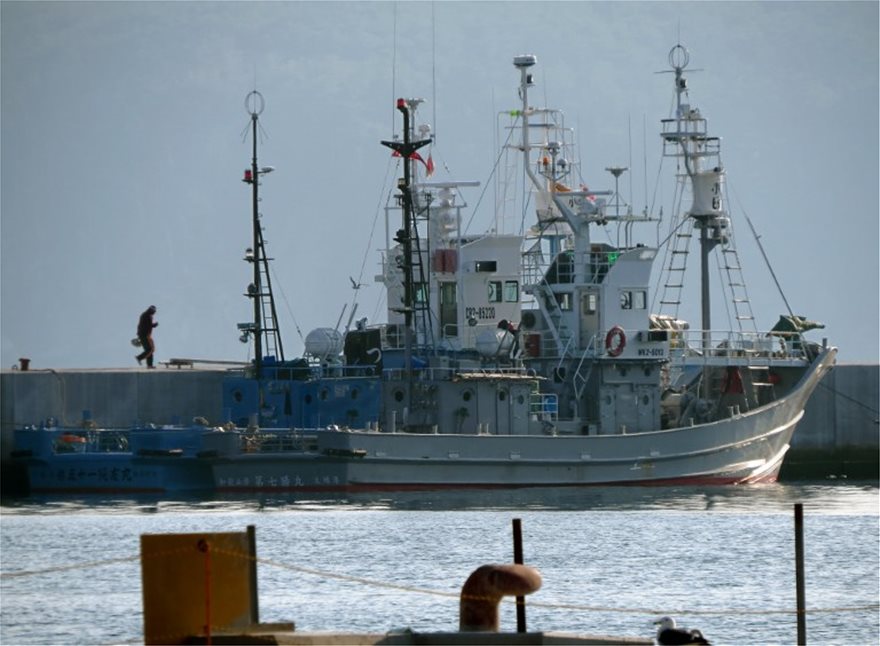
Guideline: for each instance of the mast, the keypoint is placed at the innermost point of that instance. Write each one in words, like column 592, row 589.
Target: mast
column 701, row 155
column 258, row 333
column 406, row 149
column 687, row 135
column 265, row 320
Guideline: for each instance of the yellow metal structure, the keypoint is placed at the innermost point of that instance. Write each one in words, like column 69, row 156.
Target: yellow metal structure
column 198, row 584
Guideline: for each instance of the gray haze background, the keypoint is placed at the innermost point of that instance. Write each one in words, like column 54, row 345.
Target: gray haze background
column 122, row 150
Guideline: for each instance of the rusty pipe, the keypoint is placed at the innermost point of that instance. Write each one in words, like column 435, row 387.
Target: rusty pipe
column 484, row 589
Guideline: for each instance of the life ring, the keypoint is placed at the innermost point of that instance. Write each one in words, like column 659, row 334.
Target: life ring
column 615, row 341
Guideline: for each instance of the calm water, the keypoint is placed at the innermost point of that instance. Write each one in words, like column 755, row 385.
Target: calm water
column 612, row 560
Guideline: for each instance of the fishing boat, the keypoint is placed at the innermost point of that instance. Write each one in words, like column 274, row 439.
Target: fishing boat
column 90, row 459
column 537, row 358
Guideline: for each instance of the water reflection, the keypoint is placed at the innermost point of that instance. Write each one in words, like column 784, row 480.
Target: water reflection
column 849, row 498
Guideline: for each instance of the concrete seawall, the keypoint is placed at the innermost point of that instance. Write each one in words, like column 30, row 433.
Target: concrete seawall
column 839, row 434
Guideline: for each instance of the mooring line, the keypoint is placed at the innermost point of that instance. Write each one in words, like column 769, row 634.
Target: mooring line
column 456, row 595
column 67, row 568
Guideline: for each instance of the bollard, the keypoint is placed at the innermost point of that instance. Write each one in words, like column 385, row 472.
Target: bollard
column 25, row 363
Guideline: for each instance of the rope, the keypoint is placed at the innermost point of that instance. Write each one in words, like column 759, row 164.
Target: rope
column 852, row 400
column 457, row 595
column 67, row 568
column 563, row 606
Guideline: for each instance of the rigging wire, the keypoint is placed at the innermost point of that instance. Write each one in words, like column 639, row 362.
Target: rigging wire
column 280, row 287
column 761, row 248
column 645, row 158
column 501, row 153
column 433, row 75
column 358, row 284
column 394, row 69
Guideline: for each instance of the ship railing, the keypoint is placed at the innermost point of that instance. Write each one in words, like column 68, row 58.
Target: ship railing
column 716, row 347
column 544, row 406
column 447, row 373
column 538, row 272
column 338, row 370
column 278, row 440
column 72, row 439
column 688, row 136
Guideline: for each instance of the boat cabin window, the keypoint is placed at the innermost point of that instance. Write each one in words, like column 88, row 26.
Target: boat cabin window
column 494, row 291
column 640, row 299
column 590, row 303
column 563, row 299
column 511, row 291
column 633, row 299
column 486, row 265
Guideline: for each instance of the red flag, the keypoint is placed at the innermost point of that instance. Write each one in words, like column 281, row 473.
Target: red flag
column 429, row 165
column 415, row 155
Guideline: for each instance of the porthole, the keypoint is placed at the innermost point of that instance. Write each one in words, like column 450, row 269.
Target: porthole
column 502, row 395
column 466, row 395
column 354, row 393
column 398, row 395
column 324, row 394
column 308, row 399
column 520, row 400
column 237, row 396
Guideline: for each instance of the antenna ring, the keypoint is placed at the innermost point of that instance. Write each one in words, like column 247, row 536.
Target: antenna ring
column 254, row 103
column 679, row 57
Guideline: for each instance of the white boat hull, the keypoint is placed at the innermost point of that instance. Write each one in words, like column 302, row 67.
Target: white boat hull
column 746, row 448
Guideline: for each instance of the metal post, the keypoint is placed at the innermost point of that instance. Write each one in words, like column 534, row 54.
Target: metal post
column 799, row 573
column 252, row 553
column 518, row 559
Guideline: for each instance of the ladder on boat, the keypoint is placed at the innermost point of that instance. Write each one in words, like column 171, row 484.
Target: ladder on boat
column 423, row 321
column 272, row 346
column 675, row 270
column 729, row 264
column 739, row 295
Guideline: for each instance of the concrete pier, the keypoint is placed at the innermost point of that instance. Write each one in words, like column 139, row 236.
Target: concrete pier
column 838, row 436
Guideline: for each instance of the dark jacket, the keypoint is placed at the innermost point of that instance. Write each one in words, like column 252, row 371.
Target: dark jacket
column 145, row 323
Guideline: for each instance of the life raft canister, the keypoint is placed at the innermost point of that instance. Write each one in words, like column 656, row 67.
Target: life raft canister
column 615, row 341
column 70, row 438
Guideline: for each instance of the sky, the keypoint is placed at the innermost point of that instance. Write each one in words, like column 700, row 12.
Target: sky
column 123, row 150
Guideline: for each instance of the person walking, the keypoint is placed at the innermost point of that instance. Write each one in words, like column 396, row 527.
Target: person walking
column 145, row 335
